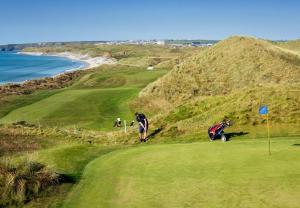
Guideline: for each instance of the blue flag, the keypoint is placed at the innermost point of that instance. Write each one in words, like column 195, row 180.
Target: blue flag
column 263, row 110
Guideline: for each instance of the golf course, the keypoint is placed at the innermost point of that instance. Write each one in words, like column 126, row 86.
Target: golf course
column 193, row 175
column 94, row 101
column 59, row 148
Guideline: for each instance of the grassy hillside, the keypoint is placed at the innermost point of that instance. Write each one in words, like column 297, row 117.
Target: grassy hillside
column 232, row 65
column 231, row 79
column 194, row 117
column 293, row 45
column 193, row 175
column 13, row 102
column 138, row 55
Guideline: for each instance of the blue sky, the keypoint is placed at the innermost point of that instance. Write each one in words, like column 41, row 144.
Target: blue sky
column 23, row 21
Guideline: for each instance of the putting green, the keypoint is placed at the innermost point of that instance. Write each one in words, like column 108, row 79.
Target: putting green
column 208, row 174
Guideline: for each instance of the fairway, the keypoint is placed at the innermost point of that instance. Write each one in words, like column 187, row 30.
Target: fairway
column 92, row 102
column 89, row 108
column 207, row 174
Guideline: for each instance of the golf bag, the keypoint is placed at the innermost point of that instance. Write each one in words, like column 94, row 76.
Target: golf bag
column 217, row 131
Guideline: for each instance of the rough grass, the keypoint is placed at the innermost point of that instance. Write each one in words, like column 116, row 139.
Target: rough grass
column 22, row 182
column 235, row 64
column 200, row 113
column 66, row 161
column 293, row 45
column 232, row 79
column 18, row 139
column 235, row 174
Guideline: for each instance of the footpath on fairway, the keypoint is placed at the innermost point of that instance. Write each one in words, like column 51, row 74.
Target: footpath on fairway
column 207, row 174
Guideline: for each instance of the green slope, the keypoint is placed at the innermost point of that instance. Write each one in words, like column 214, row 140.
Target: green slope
column 236, row 174
column 85, row 108
column 13, row 102
column 69, row 160
column 93, row 102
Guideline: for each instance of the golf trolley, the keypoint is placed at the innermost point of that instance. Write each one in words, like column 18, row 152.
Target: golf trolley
column 217, row 131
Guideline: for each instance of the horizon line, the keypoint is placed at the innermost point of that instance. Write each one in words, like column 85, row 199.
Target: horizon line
column 154, row 39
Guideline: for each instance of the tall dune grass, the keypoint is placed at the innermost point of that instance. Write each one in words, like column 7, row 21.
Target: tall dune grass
column 24, row 181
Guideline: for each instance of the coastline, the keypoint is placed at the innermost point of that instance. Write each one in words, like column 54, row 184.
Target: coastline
column 90, row 62
column 56, row 81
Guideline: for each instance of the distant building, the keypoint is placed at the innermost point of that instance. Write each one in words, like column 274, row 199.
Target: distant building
column 160, row 42
column 41, row 44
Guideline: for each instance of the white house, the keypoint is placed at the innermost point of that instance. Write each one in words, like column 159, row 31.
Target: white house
column 160, row 42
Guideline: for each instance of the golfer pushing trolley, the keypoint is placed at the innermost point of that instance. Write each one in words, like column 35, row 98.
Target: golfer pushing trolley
column 143, row 126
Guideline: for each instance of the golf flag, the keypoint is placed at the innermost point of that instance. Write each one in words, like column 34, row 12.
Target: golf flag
column 263, row 110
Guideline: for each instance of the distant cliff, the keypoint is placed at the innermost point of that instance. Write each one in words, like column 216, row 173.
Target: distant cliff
column 10, row 47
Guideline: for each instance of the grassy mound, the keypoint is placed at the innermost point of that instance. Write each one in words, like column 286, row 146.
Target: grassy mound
column 232, row 79
column 236, row 174
column 196, row 116
column 232, row 65
column 293, row 45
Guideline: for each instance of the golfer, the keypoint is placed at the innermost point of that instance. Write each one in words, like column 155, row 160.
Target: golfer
column 118, row 123
column 143, row 126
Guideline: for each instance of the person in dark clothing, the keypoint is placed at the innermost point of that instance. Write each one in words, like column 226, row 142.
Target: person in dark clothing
column 143, row 126
column 117, row 123
column 132, row 124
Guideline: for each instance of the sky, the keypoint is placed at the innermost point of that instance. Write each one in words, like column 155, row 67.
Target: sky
column 28, row 21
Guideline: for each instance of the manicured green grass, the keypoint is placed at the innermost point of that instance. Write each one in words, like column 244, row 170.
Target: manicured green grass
column 93, row 102
column 72, row 159
column 10, row 103
column 69, row 160
column 207, row 174
column 84, row 108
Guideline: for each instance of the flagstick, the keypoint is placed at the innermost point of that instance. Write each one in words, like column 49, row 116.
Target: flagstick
column 268, row 126
column 125, row 129
column 125, row 125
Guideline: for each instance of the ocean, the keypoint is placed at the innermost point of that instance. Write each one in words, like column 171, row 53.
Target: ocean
column 15, row 68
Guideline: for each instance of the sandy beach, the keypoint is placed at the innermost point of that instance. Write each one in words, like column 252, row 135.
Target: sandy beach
column 58, row 80
column 91, row 62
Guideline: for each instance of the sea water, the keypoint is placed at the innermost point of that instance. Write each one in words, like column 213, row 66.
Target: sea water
column 15, row 67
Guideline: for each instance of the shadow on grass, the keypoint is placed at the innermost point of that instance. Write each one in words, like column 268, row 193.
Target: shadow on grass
column 297, row 145
column 68, row 178
column 156, row 131
column 235, row 134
